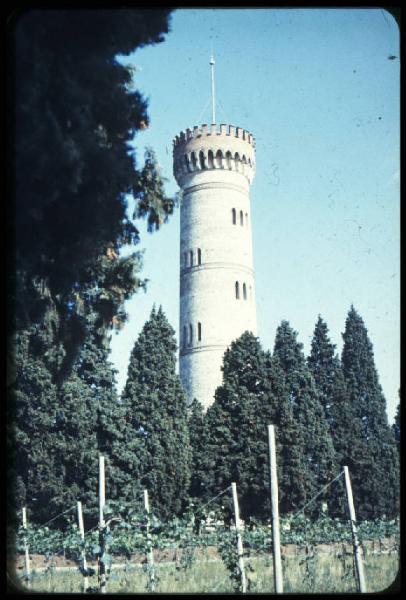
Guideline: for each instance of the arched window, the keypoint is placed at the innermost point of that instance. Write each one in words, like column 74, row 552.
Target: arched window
column 234, row 213
column 219, row 159
column 190, row 335
column 241, row 218
column 194, row 161
column 187, row 163
column 184, row 336
column 237, row 161
column 199, row 332
column 237, row 290
column 244, row 291
column 210, row 159
column 199, row 256
column 202, row 160
column 228, row 160
column 191, row 258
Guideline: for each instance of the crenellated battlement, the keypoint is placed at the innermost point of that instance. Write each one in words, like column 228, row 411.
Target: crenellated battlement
column 214, row 147
column 213, row 129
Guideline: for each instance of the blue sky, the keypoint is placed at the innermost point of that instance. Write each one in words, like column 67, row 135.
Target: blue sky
column 318, row 92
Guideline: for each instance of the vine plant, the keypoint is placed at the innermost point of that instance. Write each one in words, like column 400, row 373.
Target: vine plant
column 126, row 534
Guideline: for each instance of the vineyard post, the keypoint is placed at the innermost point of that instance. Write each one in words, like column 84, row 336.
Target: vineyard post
column 277, row 562
column 357, row 551
column 240, row 552
column 102, row 490
column 102, row 502
column 26, row 553
column 150, row 555
column 82, row 535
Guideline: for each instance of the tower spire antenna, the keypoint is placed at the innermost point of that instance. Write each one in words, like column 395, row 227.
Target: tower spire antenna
column 213, row 100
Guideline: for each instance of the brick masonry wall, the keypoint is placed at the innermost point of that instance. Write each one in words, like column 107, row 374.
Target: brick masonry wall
column 208, row 290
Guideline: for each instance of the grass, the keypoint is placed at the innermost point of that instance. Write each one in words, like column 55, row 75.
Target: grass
column 324, row 576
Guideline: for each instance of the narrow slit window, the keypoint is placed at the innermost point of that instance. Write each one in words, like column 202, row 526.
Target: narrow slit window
column 199, row 256
column 246, row 219
column 191, row 258
column 190, row 335
column 237, row 290
column 184, row 336
column 199, row 332
column 241, row 218
column 244, row 291
column 234, row 213
column 185, row 259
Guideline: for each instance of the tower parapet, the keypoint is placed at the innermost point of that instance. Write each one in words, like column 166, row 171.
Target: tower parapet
column 207, row 148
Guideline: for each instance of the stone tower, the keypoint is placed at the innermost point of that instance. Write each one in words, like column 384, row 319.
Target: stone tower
column 214, row 169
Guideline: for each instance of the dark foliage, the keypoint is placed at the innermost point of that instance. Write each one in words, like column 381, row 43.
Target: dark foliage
column 376, row 469
column 313, row 435
column 156, row 414
column 396, row 427
column 197, row 433
column 76, row 113
column 252, row 396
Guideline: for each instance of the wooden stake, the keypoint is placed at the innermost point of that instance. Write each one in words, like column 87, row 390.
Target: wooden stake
column 102, row 490
column 82, row 535
column 277, row 561
column 357, row 550
column 240, row 551
column 150, row 554
column 102, row 502
column 26, row 553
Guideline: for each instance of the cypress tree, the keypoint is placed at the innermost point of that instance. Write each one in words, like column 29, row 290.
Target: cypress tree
column 291, row 469
column 323, row 364
column 326, row 369
column 35, row 477
column 346, row 434
column 156, row 414
column 396, row 427
column 313, row 430
column 198, row 439
column 59, row 432
column 90, row 421
column 237, row 427
column 252, row 396
column 377, row 465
